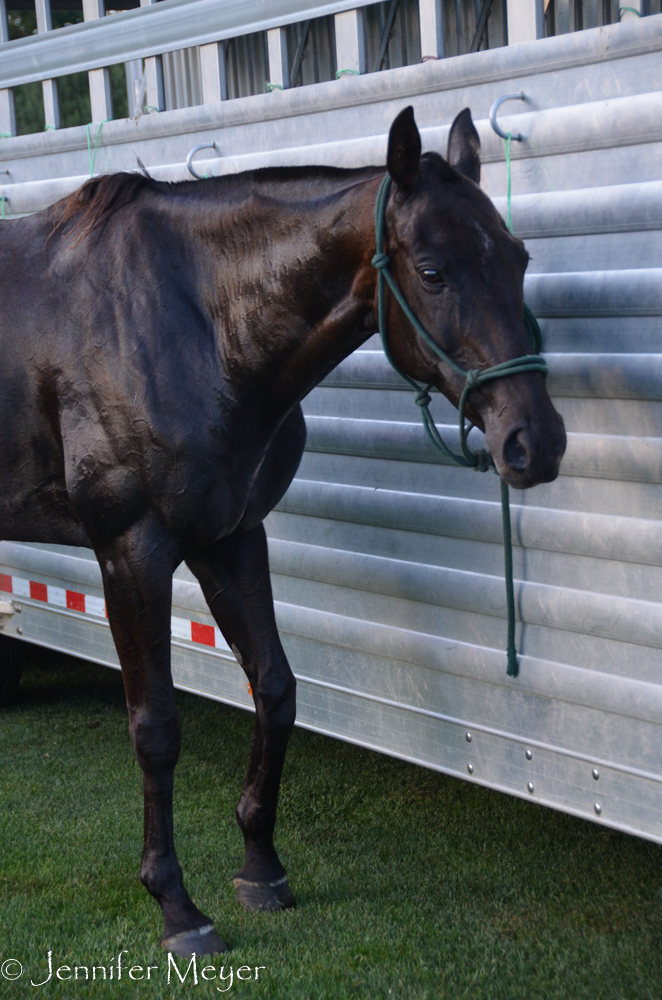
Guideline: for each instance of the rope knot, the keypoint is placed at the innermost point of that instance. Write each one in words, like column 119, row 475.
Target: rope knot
column 423, row 398
column 483, row 461
column 472, row 378
column 380, row 261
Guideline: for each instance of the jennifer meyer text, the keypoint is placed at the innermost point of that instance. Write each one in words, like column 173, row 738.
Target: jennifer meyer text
column 191, row 971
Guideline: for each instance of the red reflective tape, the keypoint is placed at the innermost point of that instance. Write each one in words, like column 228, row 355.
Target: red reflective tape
column 203, row 634
column 38, row 591
column 5, row 583
column 75, row 601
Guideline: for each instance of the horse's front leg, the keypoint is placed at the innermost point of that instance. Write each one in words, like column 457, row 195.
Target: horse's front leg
column 137, row 573
column 234, row 576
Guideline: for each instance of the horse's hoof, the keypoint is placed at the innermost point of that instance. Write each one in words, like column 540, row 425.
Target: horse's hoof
column 265, row 896
column 202, row 941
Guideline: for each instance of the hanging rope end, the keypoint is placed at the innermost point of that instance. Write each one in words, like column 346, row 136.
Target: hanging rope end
column 513, row 665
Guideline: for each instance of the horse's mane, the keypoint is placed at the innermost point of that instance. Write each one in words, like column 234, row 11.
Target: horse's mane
column 97, row 200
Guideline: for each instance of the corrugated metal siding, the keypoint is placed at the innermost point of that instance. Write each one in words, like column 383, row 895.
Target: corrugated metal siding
column 247, row 65
column 392, row 34
column 312, row 50
column 181, row 79
column 460, row 18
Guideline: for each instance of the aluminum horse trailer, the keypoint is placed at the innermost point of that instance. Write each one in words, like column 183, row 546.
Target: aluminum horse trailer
column 386, row 561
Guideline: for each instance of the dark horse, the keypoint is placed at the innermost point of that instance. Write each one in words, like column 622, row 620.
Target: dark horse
column 156, row 342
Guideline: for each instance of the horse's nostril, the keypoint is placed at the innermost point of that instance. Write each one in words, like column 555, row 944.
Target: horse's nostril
column 514, row 452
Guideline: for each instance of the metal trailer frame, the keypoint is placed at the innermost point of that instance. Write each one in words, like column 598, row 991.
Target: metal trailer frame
column 386, row 562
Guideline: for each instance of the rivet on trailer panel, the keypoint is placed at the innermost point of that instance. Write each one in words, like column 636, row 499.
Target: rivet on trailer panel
column 530, row 787
column 528, row 754
column 468, row 737
column 595, row 773
column 598, row 808
column 470, row 768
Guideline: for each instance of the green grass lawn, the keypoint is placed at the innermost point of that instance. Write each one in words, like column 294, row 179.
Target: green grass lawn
column 409, row 884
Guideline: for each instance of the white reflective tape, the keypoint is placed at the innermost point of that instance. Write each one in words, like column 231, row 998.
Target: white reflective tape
column 20, row 586
column 57, row 596
column 219, row 641
column 95, row 606
column 180, row 628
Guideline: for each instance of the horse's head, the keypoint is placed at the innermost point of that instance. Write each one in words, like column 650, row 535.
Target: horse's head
column 462, row 274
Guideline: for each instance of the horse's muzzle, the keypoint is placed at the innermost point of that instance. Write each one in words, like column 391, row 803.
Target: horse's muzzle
column 531, row 453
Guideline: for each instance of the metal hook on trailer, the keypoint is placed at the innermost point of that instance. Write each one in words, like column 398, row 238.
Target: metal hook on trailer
column 517, row 136
column 189, row 158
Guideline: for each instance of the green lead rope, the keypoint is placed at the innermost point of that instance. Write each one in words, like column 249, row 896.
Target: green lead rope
column 481, row 460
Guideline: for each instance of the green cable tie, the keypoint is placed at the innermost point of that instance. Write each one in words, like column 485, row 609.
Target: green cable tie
column 92, row 159
column 46, row 128
column 631, row 10
column 509, row 218
column 347, row 72
column 6, row 135
column 272, row 86
column 3, row 199
column 150, row 107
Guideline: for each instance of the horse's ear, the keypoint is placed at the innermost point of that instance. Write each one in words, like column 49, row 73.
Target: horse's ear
column 464, row 146
column 404, row 149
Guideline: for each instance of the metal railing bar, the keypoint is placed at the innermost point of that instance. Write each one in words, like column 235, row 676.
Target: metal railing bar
column 386, row 36
column 480, row 25
column 298, row 55
column 148, row 31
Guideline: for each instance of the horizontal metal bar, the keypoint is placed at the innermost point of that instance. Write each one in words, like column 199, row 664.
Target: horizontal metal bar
column 600, row 536
column 596, row 293
column 594, row 456
column 619, row 208
column 587, row 376
column 497, row 786
column 149, row 31
column 610, row 617
column 589, row 688
column 479, row 727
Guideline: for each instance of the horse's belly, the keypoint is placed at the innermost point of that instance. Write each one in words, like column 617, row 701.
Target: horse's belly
column 34, row 503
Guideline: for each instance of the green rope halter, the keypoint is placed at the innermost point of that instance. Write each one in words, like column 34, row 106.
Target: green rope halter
column 481, row 460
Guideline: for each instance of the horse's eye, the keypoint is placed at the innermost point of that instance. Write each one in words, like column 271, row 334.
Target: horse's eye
column 431, row 277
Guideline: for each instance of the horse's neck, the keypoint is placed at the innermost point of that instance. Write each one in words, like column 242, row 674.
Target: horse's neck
column 295, row 286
